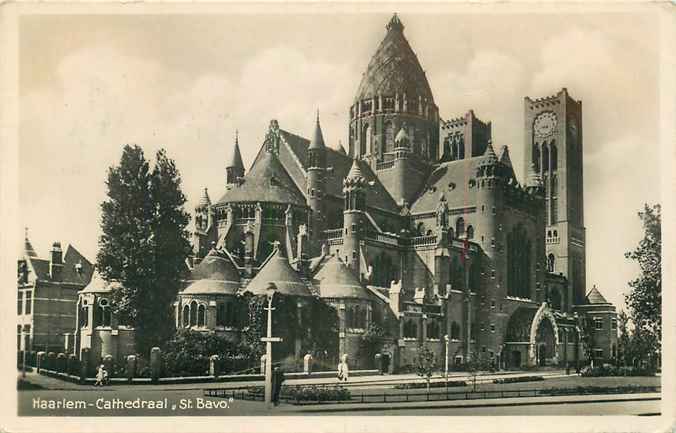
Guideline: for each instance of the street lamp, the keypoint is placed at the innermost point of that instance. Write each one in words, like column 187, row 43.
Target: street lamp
column 446, row 368
column 269, row 292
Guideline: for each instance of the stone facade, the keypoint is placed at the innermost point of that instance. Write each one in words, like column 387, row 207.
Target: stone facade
column 435, row 224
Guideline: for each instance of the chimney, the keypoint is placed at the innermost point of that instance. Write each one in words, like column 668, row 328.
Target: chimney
column 56, row 261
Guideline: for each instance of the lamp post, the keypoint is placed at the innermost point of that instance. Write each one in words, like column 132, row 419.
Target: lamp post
column 269, row 292
column 446, row 368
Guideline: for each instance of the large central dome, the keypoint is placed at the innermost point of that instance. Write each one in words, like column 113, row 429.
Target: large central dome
column 394, row 69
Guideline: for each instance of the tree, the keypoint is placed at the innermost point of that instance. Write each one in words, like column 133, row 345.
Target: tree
column 645, row 298
column 587, row 337
column 425, row 364
column 624, row 338
column 476, row 364
column 144, row 243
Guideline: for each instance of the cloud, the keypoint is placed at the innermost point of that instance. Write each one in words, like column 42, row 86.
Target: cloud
column 104, row 99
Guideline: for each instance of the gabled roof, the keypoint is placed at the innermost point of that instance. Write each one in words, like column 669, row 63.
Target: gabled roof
column 277, row 270
column 214, row 275
column 99, row 285
column 340, row 164
column 335, row 280
column 267, row 181
column 394, row 68
column 76, row 268
column 595, row 297
column 452, row 180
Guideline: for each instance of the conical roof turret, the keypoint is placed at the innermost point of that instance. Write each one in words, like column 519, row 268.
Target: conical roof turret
column 277, row 270
column 394, row 69
column 205, row 201
column 355, row 172
column 402, row 138
column 504, row 156
column 317, row 138
column 28, row 249
column 235, row 159
column 489, row 156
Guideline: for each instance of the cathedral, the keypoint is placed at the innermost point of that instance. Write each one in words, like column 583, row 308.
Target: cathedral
column 421, row 227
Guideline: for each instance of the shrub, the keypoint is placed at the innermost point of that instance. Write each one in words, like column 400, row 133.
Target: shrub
column 307, row 392
column 418, row 385
column 518, row 379
column 609, row 370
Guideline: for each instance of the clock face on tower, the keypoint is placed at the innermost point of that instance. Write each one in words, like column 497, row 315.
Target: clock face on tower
column 544, row 124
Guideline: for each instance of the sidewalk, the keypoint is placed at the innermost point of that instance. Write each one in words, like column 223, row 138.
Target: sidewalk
column 355, row 382
column 516, row 401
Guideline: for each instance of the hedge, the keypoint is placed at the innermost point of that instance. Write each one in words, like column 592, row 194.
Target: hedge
column 518, row 379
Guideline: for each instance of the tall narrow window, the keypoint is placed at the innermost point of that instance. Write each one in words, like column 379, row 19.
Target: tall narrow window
column 201, row 315
column 389, row 137
column 460, row 227
column 455, row 331
column 29, row 302
column 186, row 316
column 220, row 315
column 193, row 313
column 545, row 158
column 536, row 157
column 554, row 156
column 470, row 232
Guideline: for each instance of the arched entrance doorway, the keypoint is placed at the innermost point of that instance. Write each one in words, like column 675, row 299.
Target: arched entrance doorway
column 544, row 338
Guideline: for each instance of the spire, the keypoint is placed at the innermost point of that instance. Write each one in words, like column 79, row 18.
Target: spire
column 235, row 159
column 317, row 139
column 355, row 171
column 395, row 24
column 489, row 156
column 504, row 157
column 205, row 200
column 27, row 247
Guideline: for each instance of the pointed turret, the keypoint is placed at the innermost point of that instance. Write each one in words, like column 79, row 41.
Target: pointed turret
column 234, row 170
column 28, row 249
column 504, row 157
column 395, row 24
column 402, row 139
column 317, row 138
column 354, row 188
column 489, row 156
column 205, row 201
column 316, row 168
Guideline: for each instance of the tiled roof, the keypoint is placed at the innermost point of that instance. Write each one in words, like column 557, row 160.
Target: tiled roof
column 340, row 164
column 452, row 179
column 76, row 268
column 99, row 285
column 335, row 280
column 267, row 181
column 213, row 275
column 277, row 270
column 394, row 68
column 595, row 297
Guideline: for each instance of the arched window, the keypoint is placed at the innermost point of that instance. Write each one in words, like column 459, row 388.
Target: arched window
column 550, row 262
column 460, row 227
column 349, row 317
column 201, row 315
column 366, row 141
column 356, row 317
column 419, row 229
column 545, row 158
column 389, row 137
column 554, row 156
column 186, row 315
column 455, row 331
column 193, row 313
column 220, row 315
column 230, row 314
column 470, row 232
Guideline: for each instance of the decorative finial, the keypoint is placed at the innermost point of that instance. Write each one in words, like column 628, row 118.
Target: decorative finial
column 317, row 115
column 236, row 136
column 395, row 23
column 26, row 233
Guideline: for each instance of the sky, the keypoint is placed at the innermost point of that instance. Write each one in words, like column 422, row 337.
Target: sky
column 89, row 84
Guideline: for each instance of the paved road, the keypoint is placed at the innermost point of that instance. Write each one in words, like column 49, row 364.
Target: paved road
column 650, row 407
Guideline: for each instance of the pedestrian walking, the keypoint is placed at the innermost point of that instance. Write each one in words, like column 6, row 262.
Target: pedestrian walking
column 100, row 375
column 343, row 371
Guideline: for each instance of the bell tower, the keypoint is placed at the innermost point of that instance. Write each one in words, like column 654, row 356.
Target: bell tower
column 554, row 146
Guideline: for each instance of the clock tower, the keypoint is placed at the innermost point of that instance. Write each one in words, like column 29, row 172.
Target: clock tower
column 553, row 143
